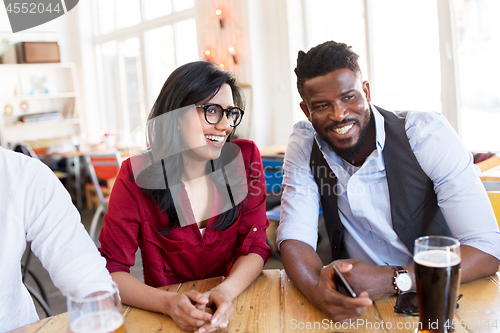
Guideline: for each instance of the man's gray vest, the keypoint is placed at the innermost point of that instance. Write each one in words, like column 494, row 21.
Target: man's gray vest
column 413, row 202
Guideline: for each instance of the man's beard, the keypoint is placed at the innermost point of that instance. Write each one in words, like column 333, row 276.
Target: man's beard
column 350, row 153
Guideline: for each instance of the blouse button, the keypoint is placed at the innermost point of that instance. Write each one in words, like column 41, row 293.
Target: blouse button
column 254, row 229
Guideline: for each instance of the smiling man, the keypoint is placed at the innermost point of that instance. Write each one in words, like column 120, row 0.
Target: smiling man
column 383, row 179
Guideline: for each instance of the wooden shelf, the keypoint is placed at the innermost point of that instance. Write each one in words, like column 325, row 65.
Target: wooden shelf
column 55, row 65
column 25, row 126
column 60, row 78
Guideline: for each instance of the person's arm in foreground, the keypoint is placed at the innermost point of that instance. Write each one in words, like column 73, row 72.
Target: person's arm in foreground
column 37, row 208
column 305, row 269
column 58, row 238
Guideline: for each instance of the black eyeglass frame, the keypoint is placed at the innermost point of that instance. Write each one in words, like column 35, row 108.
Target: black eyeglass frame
column 224, row 111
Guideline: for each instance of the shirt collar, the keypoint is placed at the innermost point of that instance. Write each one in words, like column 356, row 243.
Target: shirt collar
column 379, row 128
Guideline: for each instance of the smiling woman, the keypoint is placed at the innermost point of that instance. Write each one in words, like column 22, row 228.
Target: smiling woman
column 194, row 202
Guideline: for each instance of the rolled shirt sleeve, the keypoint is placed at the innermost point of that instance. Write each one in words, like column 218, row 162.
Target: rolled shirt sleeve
column 36, row 208
column 253, row 221
column 58, row 238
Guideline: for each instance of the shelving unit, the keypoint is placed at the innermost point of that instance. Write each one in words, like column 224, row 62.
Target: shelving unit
column 46, row 95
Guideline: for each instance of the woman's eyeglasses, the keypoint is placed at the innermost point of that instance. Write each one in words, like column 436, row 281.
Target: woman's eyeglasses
column 215, row 112
column 407, row 303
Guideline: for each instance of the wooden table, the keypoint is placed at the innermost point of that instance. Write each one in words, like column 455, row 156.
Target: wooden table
column 273, row 304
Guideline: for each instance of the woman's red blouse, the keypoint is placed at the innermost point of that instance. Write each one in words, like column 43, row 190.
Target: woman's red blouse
column 134, row 220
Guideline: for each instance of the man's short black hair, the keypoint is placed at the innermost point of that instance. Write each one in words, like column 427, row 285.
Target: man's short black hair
column 323, row 59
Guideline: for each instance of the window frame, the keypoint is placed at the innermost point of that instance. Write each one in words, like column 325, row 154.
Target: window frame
column 119, row 36
column 450, row 94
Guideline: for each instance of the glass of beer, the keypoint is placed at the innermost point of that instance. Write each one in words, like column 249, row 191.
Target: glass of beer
column 100, row 312
column 437, row 274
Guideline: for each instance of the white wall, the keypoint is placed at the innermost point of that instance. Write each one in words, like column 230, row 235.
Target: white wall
column 45, row 32
column 83, row 34
column 271, row 76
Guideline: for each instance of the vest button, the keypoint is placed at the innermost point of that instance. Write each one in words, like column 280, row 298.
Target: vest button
column 335, row 246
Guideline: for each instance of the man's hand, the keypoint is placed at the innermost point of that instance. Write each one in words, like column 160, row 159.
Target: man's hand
column 317, row 283
column 184, row 313
column 339, row 307
column 375, row 280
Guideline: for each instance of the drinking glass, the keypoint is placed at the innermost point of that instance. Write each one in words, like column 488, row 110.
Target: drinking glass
column 437, row 273
column 99, row 312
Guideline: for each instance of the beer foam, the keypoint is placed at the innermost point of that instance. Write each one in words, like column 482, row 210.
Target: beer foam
column 97, row 322
column 437, row 258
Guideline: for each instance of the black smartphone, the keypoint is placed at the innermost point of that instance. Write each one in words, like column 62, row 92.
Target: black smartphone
column 343, row 286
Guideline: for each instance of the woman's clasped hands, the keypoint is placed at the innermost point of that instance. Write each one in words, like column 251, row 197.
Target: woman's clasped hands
column 189, row 310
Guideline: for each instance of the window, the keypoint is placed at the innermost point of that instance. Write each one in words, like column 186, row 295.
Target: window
column 399, row 45
column 138, row 44
column 406, row 63
column 477, row 27
column 341, row 21
column 396, row 61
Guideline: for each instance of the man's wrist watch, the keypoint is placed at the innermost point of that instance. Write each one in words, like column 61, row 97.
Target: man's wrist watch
column 402, row 280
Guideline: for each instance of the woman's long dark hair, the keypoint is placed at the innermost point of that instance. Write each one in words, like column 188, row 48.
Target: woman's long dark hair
column 187, row 85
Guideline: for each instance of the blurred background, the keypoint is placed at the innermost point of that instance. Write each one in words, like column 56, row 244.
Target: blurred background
column 424, row 55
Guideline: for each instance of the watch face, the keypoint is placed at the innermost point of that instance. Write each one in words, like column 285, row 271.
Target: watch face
column 403, row 281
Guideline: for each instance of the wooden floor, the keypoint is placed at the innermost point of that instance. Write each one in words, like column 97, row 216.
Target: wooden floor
column 57, row 301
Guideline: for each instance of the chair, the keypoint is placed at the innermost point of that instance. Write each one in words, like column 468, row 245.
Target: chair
column 101, row 167
column 489, row 163
column 273, row 173
column 41, row 297
column 25, row 149
column 495, row 203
